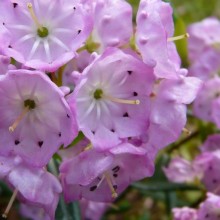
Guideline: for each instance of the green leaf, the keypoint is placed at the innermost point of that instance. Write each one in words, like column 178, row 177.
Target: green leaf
column 164, row 186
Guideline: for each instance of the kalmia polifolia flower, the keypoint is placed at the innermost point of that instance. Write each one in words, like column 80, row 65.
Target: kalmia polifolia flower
column 154, row 39
column 184, row 213
column 211, row 144
column 209, row 163
column 112, row 100
column 181, row 170
column 112, row 23
column 104, row 174
column 169, row 100
column 207, row 102
column 204, row 48
column 35, row 117
column 210, row 208
column 32, row 185
column 203, row 35
column 45, row 34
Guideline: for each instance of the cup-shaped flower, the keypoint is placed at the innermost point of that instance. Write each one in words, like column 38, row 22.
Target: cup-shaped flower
column 181, row 170
column 184, row 213
column 203, row 35
column 35, row 117
column 112, row 99
column 209, row 209
column 34, row 186
column 154, row 33
column 106, row 174
column 45, row 34
column 207, row 102
column 169, row 101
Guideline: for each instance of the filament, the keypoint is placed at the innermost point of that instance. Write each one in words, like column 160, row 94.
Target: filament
column 180, row 37
column 34, row 17
column 18, row 120
column 123, row 101
column 5, row 214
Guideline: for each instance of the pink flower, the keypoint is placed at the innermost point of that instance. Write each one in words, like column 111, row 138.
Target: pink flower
column 102, row 174
column 45, row 34
column 181, row 170
column 35, row 117
column 112, row 100
column 34, row 186
column 210, row 208
column 154, row 38
column 184, row 213
column 207, row 102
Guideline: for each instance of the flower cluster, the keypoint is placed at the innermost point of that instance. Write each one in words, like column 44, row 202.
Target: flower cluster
column 204, row 54
column 76, row 66
column 205, row 168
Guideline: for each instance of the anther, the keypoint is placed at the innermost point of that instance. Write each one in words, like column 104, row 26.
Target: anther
column 180, row 37
column 123, row 101
column 112, row 188
column 5, row 214
column 18, row 120
column 186, row 131
column 34, row 17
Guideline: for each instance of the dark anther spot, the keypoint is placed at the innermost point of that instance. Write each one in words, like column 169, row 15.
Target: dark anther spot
column 129, row 72
column 116, row 169
column 210, row 167
column 125, row 114
column 115, row 175
column 93, row 132
column 214, row 181
column 10, row 46
column 15, row 5
column 217, row 94
column 74, row 8
column 68, row 116
column 79, row 31
column 59, row 134
column 113, row 130
column 40, row 143
column 207, row 215
column 17, row 142
column 115, row 187
column 3, row 23
column 135, row 94
column 93, row 188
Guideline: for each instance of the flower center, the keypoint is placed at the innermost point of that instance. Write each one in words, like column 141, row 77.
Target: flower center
column 98, row 94
column 42, row 32
column 30, row 104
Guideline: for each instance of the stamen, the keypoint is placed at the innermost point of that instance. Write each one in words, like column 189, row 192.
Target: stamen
column 180, row 37
column 5, row 214
column 185, row 130
column 100, row 182
column 123, row 101
column 88, row 147
column 18, row 120
column 34, row 17
column 112, row 188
